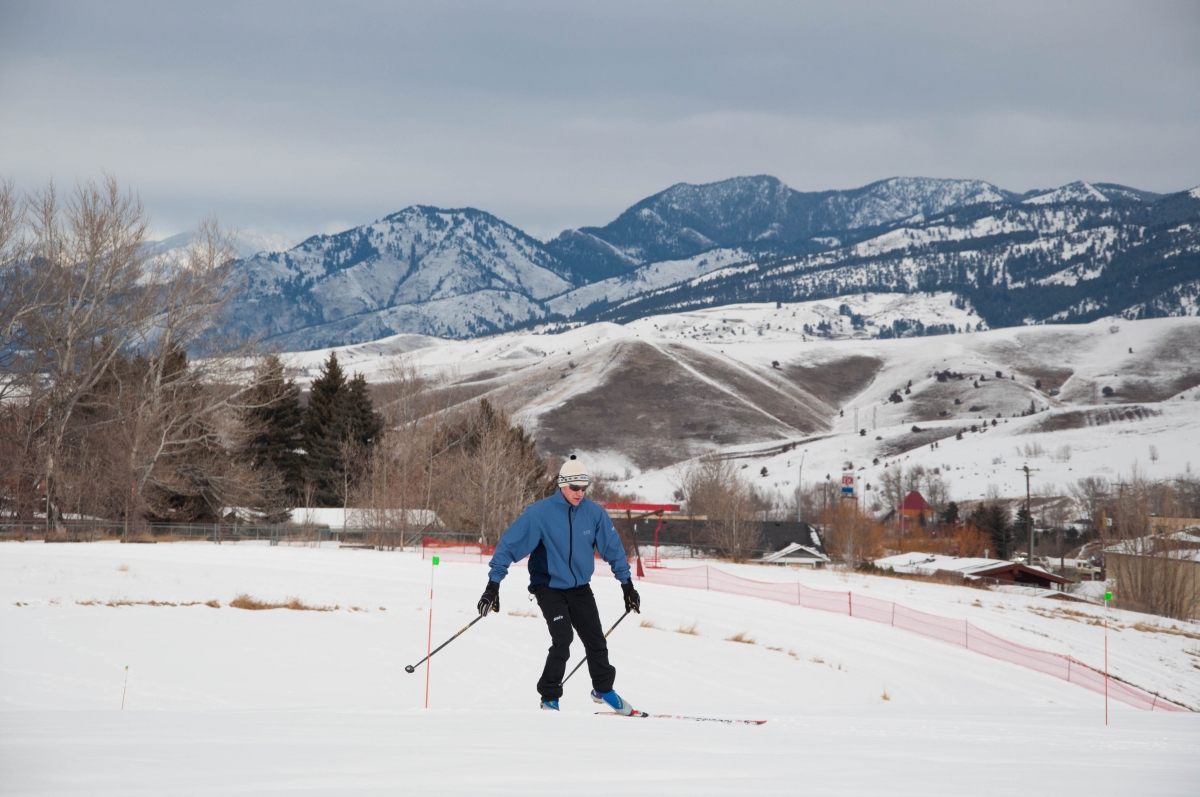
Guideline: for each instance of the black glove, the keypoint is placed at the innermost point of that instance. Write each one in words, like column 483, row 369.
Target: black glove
column 490, row 602
column 633, row 601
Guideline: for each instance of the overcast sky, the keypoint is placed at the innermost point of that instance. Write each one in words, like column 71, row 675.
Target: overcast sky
column 313, row 118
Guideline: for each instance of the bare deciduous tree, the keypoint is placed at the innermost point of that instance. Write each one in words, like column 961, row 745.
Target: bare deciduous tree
column 1152, row 568
column 1092, row 494
column 104, row 386
column 713, row 487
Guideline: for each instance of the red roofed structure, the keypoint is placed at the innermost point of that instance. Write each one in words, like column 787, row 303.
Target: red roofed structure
column 914, row 505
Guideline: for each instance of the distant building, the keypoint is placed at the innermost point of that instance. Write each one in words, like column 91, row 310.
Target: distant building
column 1167, row 562
column 973, row 569
column 338, row 519
column 913, row 507
column 793, row 543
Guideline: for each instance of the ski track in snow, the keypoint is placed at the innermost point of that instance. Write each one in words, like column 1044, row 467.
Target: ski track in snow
column 291, row 702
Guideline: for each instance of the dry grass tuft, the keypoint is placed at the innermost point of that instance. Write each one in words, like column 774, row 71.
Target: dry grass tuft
column 383, row 608
column 771, row 648
column 1154, row 628
column 743, row 637
column 647, row 624
column 123, row 568
column 817, row 660
column 123, row 602
column 245, row 601
column 1059, row 613
column 886, row 696
column 792, row 653
column 523, row 613
column 689, row 630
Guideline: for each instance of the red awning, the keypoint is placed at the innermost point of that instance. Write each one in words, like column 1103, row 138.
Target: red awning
column 642, row 507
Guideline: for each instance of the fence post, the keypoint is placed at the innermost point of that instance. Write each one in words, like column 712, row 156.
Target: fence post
column 706, row 569
column 893, row 612
column 966, row 634
column 850, row 599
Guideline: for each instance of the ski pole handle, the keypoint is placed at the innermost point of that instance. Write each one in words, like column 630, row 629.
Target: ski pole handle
column 606, row 633
column 413, row 667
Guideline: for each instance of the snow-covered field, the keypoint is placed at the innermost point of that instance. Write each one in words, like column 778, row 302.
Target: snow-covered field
column 223, row 700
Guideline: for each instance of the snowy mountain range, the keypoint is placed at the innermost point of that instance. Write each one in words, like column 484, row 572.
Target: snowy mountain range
column 1074, row 253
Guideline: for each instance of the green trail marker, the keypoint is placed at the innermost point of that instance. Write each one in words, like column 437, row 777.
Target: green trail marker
column 1107, row 595
column 436, row 560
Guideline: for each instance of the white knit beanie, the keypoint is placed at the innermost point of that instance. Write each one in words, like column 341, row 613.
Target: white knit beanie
column 573, row 472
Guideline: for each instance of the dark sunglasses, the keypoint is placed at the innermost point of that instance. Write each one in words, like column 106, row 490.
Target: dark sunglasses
column 575, row 489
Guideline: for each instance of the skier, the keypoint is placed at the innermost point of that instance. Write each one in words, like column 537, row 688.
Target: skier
column 558, row 535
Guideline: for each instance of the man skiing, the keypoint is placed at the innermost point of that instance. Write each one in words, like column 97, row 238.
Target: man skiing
column 558, row 534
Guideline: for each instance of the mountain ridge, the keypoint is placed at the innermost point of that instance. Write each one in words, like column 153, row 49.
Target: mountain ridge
column 463, row 272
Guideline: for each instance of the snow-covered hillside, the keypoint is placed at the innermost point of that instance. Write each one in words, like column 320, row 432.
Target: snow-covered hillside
column 643, row 279
column 317, row 702
column 1073, row 192
column 749, row 381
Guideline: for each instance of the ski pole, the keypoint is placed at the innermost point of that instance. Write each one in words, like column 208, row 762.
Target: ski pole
column 606, row 633
column 413, row 667
column 125, row 688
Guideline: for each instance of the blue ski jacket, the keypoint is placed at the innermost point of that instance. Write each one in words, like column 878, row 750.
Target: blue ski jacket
column 559, row 539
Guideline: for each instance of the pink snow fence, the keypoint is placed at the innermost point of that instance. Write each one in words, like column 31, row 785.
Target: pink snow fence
column 945, row 629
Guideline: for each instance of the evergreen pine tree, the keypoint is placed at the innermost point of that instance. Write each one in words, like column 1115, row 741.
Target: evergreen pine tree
column 360, row 422
column 320, row 432
column 272, row 414
column 992, row 519
column 339, row 411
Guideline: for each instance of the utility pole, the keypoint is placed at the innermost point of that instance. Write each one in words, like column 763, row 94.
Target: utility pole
column 800, row 490
column 825, row 498
column 1028, row 513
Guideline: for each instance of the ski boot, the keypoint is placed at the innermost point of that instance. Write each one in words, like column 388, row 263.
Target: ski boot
column 549, row 705
column 614, row 701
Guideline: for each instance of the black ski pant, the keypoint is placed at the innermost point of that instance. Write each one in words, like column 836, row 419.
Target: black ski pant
column 564, row 609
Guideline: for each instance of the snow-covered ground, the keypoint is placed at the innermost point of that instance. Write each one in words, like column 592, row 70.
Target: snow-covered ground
column 317, row 702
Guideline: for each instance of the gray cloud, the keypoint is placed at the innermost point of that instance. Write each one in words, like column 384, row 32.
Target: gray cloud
column 306, row 118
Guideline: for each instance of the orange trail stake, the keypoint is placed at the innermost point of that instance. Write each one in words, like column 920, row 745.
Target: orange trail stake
column 1107, row 598
column 429, row 636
